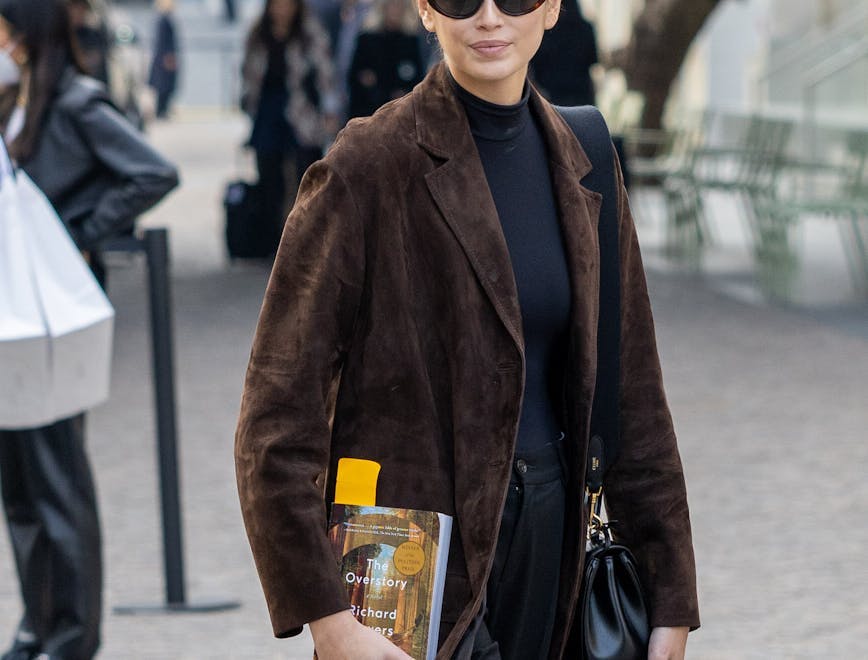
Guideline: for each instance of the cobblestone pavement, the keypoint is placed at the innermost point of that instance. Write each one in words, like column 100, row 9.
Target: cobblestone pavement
column 769, row 403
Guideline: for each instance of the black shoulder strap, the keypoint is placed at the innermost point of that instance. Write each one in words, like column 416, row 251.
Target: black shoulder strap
column 593, row 134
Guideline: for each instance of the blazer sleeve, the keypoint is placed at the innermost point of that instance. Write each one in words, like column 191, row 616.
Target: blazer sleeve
column 645, row 490
column 142, row 176
column 283, row 438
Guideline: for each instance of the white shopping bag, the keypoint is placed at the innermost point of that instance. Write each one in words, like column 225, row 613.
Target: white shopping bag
column 24, row 367
column 55, row 321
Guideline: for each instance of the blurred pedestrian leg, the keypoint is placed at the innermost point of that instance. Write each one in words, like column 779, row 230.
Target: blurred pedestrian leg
column 51, row 512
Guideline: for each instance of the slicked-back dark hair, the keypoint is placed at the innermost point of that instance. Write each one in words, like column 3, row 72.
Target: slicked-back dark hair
column 43, row 27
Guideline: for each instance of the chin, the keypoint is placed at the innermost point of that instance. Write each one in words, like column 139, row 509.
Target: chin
column 492, row 71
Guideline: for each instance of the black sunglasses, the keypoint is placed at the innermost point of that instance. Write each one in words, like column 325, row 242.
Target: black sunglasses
column 467, row 8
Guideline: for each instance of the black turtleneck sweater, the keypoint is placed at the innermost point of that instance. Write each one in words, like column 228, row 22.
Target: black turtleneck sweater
column 515, row 160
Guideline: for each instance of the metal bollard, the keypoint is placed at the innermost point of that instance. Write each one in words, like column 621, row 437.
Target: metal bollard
column 155, row 244
column 157, row 251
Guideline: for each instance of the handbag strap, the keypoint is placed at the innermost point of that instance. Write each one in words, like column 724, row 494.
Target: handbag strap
column 590, row 129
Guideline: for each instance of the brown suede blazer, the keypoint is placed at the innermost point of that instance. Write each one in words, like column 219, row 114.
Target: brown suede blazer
column 391, row 331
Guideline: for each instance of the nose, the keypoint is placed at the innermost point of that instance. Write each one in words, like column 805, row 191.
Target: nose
column 488, row 16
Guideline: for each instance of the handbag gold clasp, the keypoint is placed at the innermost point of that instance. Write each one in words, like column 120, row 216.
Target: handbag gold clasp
column 595, row 523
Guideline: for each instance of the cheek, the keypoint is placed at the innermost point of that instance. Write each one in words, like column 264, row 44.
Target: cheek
column 440, row 26
column 534, row 31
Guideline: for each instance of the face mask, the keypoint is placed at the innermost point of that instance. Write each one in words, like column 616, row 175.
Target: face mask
column 10, row 74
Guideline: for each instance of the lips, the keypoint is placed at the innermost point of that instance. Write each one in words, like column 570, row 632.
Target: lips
column 489, row 47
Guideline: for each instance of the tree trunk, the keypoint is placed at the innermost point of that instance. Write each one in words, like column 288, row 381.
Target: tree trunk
column 662, row 34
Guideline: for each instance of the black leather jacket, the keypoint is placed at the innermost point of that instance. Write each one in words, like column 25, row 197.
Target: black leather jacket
column 96, row 169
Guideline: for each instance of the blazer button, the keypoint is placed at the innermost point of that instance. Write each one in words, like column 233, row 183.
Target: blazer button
column 521, row 466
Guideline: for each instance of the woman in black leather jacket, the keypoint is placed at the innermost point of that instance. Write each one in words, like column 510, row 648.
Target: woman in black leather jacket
column 100, row 175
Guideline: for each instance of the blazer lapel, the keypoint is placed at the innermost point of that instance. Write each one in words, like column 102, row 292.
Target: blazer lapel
column 579, row 210
column 460, row 191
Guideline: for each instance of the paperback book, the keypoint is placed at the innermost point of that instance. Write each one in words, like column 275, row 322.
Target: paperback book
column 393, row 564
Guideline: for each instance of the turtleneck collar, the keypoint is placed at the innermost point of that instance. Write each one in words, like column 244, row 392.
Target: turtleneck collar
column 489, row 121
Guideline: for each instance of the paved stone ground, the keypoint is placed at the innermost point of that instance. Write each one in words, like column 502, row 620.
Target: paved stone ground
column 769, row 403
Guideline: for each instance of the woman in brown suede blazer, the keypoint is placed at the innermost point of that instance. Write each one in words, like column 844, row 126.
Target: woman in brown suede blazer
column 391, row 330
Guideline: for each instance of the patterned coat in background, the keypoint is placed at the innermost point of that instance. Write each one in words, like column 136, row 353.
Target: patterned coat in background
column 307, row 59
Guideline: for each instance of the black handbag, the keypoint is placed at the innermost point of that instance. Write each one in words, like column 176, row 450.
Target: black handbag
column 612, row 618
column 613, row 615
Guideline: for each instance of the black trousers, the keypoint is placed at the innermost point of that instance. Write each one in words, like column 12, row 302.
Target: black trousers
column 517, row 620
column 51, row 512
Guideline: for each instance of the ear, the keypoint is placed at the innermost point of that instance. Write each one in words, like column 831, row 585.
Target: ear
column 553, row 12
column 426, row 14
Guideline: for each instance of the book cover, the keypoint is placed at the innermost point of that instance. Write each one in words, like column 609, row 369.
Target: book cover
column 393, row 564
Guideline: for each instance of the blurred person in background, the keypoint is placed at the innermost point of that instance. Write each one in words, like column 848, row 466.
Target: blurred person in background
column 289, row 92
column 561, row 68
column 164, row 65
column 99, row 175
column 388, row 61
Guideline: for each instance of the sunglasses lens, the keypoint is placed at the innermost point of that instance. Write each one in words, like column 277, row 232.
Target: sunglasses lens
column 467, row 8
column 456, row 8
column 518, row 7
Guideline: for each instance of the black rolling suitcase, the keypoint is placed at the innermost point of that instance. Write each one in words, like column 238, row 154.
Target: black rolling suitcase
column 247, row 236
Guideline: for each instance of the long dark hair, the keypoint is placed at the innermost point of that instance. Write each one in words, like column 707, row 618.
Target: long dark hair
column 261, row 32
column 43, row 27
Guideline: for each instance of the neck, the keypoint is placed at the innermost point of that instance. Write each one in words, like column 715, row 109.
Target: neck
column 505, row 91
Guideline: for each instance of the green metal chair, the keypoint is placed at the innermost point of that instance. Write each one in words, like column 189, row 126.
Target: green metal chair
column 748, row 168
column 836, row 188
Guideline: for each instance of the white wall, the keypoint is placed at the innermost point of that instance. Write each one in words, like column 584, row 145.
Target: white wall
column 736, row 37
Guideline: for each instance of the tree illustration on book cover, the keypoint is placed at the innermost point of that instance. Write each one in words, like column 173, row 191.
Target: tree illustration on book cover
column 393, row 563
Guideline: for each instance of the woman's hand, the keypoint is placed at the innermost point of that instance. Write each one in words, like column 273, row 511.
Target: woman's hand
column 667, row 643
column 340, row 637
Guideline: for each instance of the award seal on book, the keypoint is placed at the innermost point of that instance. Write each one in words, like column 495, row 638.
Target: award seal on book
column 409, row 558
